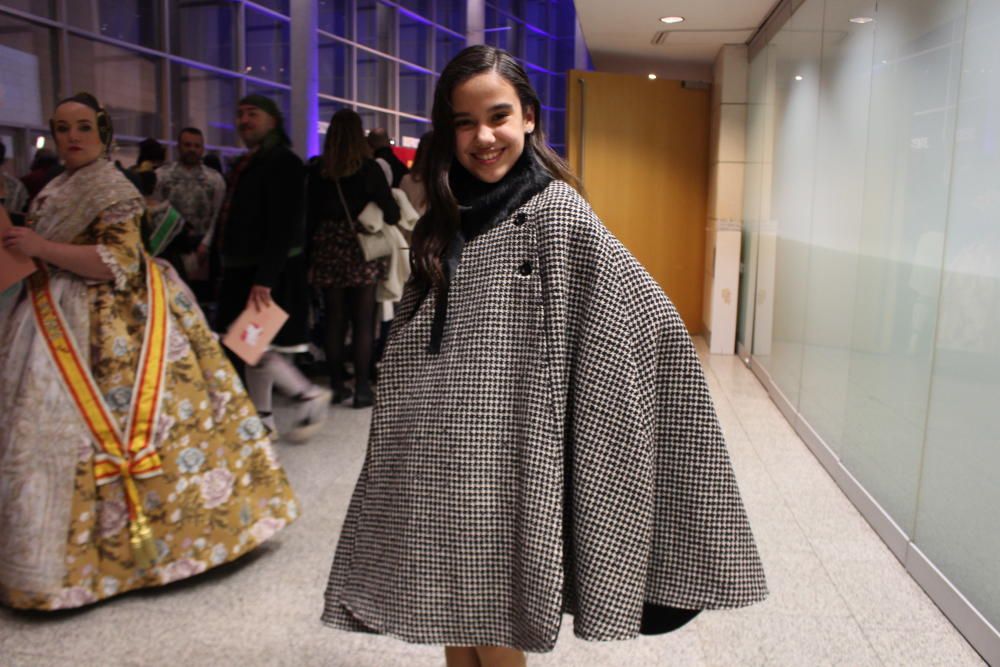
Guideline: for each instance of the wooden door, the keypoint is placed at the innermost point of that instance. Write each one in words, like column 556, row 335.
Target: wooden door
column 641, row 148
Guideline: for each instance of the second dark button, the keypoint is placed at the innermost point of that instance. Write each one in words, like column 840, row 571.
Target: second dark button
column 525, row 269
column 520, row 219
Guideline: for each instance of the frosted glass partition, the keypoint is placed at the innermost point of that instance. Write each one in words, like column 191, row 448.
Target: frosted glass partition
column 911, row 125
column 841, row 141
column 958, row 526
column 871, row 274
column 785, row 236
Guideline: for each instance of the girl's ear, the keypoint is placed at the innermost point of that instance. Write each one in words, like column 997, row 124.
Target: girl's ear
column 529, row 120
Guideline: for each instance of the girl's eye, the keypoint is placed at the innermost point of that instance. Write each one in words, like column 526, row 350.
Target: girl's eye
column 463, row 122
column 500, row 117
column 85, row 128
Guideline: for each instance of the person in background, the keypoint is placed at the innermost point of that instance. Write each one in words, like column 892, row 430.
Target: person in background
column 544, row 440
column 150, row 150
column 341, row 184
column 392, row 166
column 413, row 182
column 165, row 232
column 197, row 192
column 13, row 194
column 261, row 237
column 131, row 456
column 44, row 167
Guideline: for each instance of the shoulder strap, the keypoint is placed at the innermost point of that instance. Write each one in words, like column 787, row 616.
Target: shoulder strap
column 343, row 202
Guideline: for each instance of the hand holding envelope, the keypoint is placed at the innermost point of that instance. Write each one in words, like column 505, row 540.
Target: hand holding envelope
column 254, row 330
column 13, row 265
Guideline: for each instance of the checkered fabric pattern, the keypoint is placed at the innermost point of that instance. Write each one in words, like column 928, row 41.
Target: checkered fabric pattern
column 561, row 453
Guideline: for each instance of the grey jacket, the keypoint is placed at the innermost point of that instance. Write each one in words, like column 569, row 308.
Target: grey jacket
column 561, row 453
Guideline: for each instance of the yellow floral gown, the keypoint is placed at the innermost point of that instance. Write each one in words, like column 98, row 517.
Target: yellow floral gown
column 222, row 492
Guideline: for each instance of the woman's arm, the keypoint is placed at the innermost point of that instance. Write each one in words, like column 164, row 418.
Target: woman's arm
column 82, row 260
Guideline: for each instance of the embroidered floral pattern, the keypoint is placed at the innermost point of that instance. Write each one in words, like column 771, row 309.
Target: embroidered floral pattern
column 201, row 516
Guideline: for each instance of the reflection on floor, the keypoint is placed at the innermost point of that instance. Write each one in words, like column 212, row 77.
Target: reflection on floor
column 838, row 595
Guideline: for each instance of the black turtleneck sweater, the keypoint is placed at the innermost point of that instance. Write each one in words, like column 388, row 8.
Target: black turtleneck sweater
column 481, row 207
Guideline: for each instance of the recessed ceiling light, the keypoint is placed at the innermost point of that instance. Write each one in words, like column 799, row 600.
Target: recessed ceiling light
column 862, row 19
column 798, row 77
column 672, row 19
column 652, row 77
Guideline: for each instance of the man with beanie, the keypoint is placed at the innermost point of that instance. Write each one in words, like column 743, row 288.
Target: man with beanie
column 261, row 239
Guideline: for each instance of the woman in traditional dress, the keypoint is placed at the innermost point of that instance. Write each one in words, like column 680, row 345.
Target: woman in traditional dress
column 544, row 441
column 130, row 456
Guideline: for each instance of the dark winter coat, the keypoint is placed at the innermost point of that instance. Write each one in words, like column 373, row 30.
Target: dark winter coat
column 559, row 453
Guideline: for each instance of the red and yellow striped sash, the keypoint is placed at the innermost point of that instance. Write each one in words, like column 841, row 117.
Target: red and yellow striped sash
column 133, row 456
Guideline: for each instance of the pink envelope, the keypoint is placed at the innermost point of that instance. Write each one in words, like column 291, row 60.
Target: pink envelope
column 13, row 265
column 253, row 331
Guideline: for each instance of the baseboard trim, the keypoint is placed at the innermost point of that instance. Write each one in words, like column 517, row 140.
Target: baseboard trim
column 956, row 607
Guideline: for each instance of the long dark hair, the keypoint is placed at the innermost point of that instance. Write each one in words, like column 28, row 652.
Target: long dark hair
column 345, row 148
column 439, row 225
column 421, row 158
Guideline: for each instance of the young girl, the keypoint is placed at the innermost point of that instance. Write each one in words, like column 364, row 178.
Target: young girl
column 544, row 440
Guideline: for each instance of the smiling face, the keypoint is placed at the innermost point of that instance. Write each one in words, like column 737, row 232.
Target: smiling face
column 490, row 126
column 76, row 135
column 253, row 124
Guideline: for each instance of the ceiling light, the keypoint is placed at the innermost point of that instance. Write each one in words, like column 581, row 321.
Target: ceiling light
column 672, row 19
column 652, row 77
column 862, row 19
column 798, row 77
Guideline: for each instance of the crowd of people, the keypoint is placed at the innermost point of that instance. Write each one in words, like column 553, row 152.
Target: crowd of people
column 543, row 441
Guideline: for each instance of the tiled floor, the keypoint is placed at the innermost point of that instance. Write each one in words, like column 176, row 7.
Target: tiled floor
column 839, row 597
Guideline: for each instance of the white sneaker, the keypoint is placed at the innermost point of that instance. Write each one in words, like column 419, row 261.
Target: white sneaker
column 312, row 415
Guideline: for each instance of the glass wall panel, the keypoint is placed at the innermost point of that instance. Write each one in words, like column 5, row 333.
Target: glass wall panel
column 414, row 40
column 415, row 90
column 422, row 7
column 538, row 48
column 39, row 7
column 280, row 6
column 910, row 138
column 413, row 129
column 555, row 128
column 451, row 14
column 267, row 47
column 375, row 76
column 207, row 101
column 335, row 60
column 958, row 526
column 372, row 119
column 126, row 83
column 204, row 31
column 781, row 300
column 841, row 141
column 26, row 73
column 375, row 25
column 448, row 47
column 135, row 21
column 335, row 16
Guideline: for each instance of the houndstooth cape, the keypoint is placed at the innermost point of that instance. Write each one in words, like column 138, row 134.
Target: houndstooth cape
column 561, row 453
